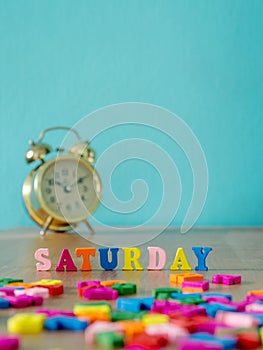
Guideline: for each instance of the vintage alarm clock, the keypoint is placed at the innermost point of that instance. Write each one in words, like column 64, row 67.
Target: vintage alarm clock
column 63, row 190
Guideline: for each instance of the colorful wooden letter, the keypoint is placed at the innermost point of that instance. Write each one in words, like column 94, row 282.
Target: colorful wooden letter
column 85, row 253
column 46, row 263
column 201, row 254
column 180, row 261
column 66, row 260
column 153, row 251
column 131, row 255
column 104, row 258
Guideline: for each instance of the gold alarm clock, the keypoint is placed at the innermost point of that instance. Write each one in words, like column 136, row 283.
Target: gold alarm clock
column 63, row 190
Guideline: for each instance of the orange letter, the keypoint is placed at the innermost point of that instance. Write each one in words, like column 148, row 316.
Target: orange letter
column 85, row 252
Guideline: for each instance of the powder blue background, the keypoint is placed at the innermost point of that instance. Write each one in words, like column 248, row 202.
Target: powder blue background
column 60, row 60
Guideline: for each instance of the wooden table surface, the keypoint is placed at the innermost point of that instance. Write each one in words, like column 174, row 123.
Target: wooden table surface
column 235, row 251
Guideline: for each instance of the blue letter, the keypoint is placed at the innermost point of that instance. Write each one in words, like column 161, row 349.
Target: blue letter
column 104, row 259
column 201, row 254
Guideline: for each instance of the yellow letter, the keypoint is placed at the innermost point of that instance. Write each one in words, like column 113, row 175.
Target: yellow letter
column 131, row 255
column 180, row 261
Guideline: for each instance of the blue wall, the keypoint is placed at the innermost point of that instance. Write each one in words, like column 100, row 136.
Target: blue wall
column 60, row 60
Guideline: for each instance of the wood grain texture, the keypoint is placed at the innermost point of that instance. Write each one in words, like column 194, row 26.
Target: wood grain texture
column 235, row 251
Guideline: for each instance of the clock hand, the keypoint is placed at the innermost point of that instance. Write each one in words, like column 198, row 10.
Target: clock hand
column 80, row 180
column 58, row 183
column 67, row 188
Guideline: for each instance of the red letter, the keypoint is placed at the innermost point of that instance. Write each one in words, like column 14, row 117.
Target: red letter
column 66, row 260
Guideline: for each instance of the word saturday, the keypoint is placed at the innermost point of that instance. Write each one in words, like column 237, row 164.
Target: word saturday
column 131, row 259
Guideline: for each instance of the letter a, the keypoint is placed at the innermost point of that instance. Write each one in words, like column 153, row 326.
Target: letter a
column 180, row 262
column 66, row 260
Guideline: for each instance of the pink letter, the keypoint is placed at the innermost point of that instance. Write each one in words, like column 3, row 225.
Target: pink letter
column 66, row 260
column 46, row 263
column 153, row 257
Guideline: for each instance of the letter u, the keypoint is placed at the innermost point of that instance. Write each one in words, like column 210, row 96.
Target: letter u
column 104, row 258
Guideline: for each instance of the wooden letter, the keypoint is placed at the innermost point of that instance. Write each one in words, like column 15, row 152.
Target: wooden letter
column 85, row 252
column 180, row 262
column 131, row 255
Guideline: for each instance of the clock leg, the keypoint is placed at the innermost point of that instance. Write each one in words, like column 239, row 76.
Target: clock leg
column 89, row 227
column 46, row 225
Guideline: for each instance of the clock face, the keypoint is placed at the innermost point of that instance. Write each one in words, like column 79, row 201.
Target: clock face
column 69, row 188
